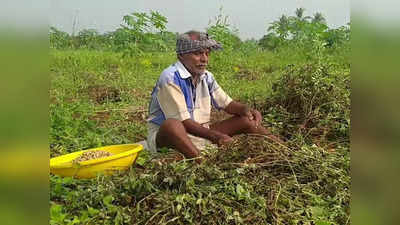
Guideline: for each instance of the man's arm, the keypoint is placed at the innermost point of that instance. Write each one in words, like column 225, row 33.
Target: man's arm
column 214, row 136
column 239, row 109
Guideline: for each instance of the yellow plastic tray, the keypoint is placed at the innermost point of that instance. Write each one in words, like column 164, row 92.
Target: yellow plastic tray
column 123, row 157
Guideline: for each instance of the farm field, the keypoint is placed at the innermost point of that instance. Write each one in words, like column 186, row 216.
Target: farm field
column 99, row 96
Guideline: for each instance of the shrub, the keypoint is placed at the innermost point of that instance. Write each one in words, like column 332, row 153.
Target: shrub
column 222, row 31
column 59, row 39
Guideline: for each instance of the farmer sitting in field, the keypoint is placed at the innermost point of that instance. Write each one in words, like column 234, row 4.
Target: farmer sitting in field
column 180, row 107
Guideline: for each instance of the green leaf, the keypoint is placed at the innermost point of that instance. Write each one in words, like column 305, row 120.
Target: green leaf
column 321, row 222
column 108, row 200
column 56, row 213
column 178, row 207
column 317, row 211
column 92, row 211
column 74, row 221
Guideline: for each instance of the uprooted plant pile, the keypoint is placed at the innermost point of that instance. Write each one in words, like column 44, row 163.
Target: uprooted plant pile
column 251, row 181
column 311, row 100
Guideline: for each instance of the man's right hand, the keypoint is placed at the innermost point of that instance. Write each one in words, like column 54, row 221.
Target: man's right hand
column 214, row 136
column 221, row 139
column 225, row 139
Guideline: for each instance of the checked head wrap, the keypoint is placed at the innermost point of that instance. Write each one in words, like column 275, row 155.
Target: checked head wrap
column 192, row 41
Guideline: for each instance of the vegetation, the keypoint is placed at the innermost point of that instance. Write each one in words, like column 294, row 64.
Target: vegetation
column 303, row 30
column 297, row 75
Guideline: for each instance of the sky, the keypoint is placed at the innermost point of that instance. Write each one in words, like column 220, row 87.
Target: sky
column 250, row 17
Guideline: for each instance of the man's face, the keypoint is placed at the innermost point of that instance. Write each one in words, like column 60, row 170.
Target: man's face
column 195, row 62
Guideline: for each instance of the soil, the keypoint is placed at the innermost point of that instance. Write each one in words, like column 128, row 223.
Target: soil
column 102, row 94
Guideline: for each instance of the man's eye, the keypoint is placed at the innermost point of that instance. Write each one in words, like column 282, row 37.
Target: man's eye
column 201, row 53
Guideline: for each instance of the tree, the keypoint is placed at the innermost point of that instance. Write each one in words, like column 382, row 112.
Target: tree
column 318, row 18
column 269, row 41
column 300, row 13
column 89, row 38
column 280, row 27
column 142, row 31
column 301, row 30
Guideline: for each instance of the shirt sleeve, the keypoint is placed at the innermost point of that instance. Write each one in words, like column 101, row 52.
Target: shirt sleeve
column 172, row 102
column 219, row 99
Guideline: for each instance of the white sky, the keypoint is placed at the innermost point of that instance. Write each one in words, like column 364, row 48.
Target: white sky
column 251, row 17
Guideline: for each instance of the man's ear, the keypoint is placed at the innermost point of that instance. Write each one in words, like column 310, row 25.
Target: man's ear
column 179, row 56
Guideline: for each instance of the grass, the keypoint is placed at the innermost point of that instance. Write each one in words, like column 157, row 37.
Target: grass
column 100, row 98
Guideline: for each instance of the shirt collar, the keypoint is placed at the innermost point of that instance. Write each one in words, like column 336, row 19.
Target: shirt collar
column 184, row 73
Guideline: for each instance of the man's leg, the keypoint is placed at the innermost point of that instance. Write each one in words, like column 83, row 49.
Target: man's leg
column 241, row 125
column 172, row 134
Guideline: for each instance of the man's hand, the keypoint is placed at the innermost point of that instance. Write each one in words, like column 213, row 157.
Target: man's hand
column 253, row 115
column 224, row 139
column 239, row 109
column 220, row 138
column 214, row 136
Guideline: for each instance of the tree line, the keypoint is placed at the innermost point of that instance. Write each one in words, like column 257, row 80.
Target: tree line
column 146, row 32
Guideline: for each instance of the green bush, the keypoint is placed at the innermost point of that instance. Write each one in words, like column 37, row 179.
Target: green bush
column 222, row 31
column 59, row 39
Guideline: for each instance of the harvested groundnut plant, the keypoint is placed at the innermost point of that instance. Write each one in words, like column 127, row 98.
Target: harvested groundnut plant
column 91, row 155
